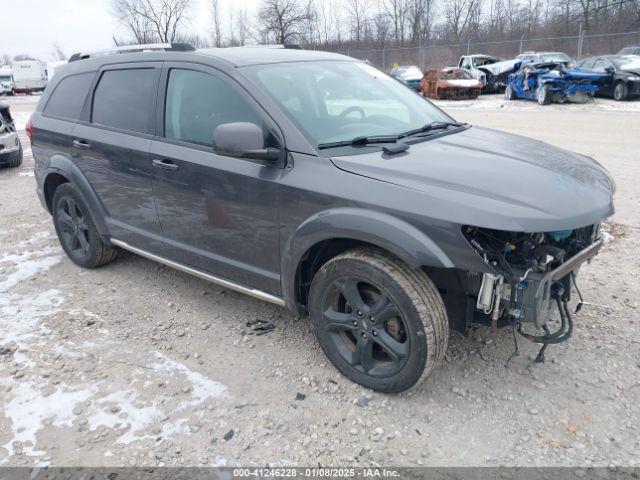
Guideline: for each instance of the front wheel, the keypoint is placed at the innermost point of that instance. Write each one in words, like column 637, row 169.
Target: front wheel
column 508, row 93
column 380, row 322
column 620, row 91
column 544, row 95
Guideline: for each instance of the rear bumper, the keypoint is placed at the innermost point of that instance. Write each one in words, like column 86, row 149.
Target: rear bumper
column 8, row 157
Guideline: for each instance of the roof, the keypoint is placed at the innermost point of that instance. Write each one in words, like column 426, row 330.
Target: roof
column 245, row 56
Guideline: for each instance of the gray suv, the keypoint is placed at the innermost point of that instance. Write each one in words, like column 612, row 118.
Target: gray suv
column 319, row 183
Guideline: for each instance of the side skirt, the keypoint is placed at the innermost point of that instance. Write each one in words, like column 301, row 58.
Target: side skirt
column 267, row 297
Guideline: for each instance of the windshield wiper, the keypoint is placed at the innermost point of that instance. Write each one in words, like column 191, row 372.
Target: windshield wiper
column 429, row 127
column 366, row 140
column 361, row 141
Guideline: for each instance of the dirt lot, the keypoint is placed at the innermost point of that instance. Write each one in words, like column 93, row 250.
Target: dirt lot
column 137, row 364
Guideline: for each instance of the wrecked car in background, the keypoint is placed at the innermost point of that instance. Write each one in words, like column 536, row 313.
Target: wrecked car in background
column 491, row 71
column 409, row 75
column 552, row 82
column 623, row 75
column 10, row 146
column 449, row 83
column 544, row 57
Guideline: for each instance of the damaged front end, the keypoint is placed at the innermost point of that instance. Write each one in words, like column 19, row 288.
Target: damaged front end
column 532, row 277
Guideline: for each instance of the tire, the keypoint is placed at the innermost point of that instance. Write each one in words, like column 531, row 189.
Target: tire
column 397, row 333
column 508, row 93
column 620, row 91
column 76, row 229
column 17, row 161
column 544, row 95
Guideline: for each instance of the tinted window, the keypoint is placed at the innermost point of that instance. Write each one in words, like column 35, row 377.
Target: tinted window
column 123, row 99
column 588, row 63
column 68, row 97
column 198, row 102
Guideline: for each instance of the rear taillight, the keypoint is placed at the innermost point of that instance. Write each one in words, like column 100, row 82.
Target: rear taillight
column 29, row 129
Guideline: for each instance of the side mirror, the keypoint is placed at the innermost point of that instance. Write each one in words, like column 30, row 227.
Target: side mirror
column 610, row 70
column 243, row 140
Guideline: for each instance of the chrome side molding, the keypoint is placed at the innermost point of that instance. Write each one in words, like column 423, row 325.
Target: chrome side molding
column 267, row 297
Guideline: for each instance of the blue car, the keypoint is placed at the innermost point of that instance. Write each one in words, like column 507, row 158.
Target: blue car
column 549, row 82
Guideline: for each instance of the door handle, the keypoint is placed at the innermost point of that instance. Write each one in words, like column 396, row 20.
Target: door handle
column 165, row 164
column 83, row 144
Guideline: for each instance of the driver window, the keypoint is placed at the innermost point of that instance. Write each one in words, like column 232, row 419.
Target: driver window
column 600, row 65
column 197, row 102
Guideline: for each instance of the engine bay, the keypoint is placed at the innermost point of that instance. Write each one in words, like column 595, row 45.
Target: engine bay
column 534, row 274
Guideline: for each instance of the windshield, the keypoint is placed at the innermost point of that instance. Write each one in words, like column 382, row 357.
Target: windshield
column 5, row 78
column 341, row 100
column 555, row 57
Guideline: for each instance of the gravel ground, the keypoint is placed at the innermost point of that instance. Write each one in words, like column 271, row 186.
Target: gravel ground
column 137, row 364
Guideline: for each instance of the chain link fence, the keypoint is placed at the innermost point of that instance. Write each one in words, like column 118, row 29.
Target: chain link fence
column 576, row 46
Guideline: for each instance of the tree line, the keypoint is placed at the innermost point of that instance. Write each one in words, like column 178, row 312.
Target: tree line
column 352, row 24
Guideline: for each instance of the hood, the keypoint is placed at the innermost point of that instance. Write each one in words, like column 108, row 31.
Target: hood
column 463, row 82
column 499, row 67
column 497, row 180
column 410, row 76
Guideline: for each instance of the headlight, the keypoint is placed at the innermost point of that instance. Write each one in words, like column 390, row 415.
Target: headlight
column 633, row 78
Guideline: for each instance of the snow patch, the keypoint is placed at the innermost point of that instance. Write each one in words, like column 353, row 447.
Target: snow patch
column 28, row 410
column 203, row 387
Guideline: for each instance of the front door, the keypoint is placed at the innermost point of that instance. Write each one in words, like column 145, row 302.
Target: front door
column 112, row 150
column 218, row 214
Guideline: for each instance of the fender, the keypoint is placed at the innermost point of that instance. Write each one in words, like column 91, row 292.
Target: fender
column 68, row 169
column 380, row 229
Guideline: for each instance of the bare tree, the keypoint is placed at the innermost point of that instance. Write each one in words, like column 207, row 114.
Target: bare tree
column 241, row 25
column 57, row 52
column 150, row 20
column 358, row 17
column 397, row 10
column 282, row 20
column 138, row 25
column 216, row 27
column 5, row 59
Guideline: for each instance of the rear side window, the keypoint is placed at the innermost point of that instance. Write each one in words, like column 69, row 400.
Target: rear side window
column 122, row 99
column 198, row 102
column 68, row 98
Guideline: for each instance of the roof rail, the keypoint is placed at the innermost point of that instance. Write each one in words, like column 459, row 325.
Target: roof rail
column 150, row 47
column 288, row 46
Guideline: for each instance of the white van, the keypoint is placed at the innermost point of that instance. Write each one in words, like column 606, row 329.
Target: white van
column 6, row 81
column 29, row 76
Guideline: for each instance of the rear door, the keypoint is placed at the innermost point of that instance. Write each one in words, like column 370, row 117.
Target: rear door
column 112, row 149
column 218, row 214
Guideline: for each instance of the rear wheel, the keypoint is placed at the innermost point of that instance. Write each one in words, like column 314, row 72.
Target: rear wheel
column 544, row 95
column 620, row 91
column 77, row 231
column 381, row 323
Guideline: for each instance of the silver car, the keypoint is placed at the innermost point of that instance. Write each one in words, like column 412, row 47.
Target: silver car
column 10, row 146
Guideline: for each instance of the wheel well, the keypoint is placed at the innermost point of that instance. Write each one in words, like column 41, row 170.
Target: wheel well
column 317, row 256
column 53, row 181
